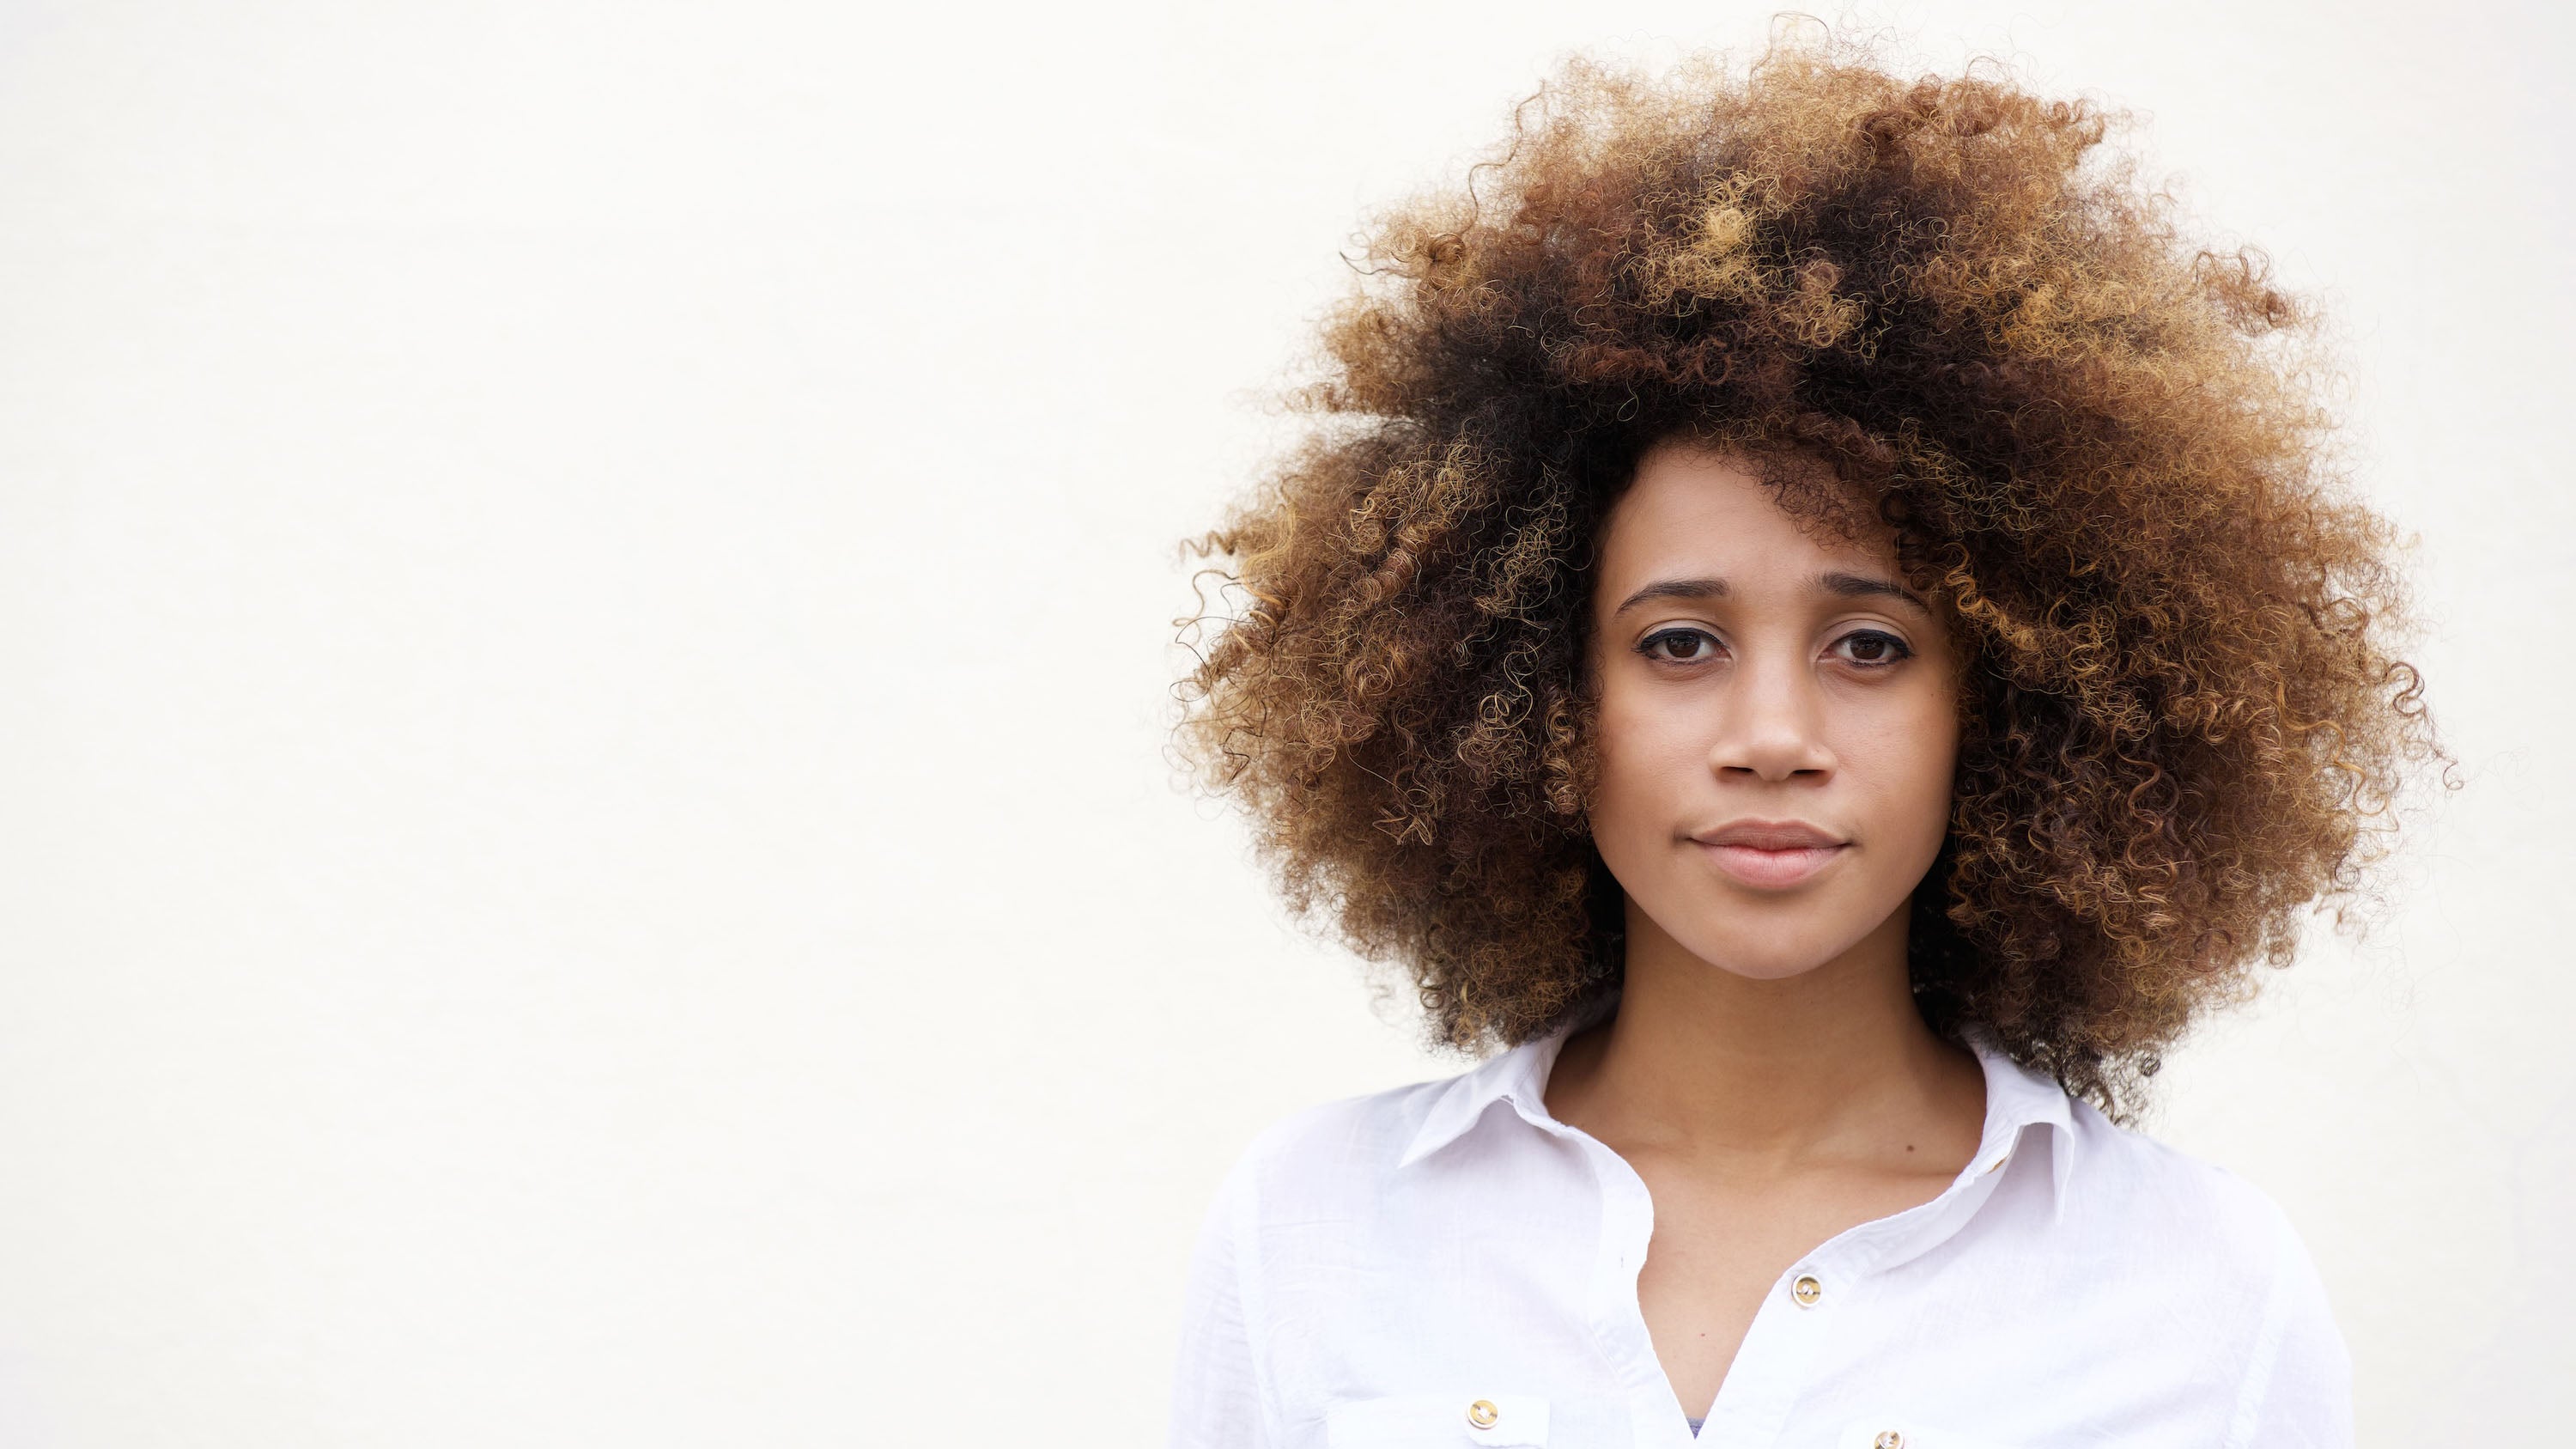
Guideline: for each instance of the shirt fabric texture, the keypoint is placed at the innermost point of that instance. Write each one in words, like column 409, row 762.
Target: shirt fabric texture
column 1446, row 1264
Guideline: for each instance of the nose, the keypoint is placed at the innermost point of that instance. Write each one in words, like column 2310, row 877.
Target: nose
column 1773, row 727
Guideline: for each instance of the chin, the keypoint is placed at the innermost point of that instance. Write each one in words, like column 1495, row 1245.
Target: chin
column 1769, row 961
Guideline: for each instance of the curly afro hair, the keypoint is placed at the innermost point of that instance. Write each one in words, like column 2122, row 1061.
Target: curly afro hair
column 2099, row 443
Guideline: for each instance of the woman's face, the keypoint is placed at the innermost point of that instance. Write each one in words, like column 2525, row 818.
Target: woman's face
column 1777, row 729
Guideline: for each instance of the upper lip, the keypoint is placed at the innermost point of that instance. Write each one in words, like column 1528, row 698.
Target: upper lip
column 1770, row 835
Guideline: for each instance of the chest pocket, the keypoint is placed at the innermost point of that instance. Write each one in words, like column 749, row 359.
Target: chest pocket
column 1893, row 1432
column 1438, row 1421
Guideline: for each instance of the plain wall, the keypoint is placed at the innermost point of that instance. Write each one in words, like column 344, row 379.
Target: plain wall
column 585, row 624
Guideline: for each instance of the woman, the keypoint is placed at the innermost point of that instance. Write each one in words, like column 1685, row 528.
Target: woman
column 1827, row 631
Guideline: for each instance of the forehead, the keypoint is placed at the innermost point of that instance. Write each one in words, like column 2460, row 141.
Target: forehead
column 1700, row 511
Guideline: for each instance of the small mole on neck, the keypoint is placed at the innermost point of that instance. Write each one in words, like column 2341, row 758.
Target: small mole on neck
column 1909, row 1146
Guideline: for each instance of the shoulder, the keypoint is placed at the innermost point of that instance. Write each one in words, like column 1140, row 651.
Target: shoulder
column 2210, row 1279
column 2197, row 1213
column 1338, row 1166
column 1322, row 1164
column 1360, row 1135
column 2205, row 1234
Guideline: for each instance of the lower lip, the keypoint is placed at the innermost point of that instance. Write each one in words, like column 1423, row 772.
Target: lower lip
column 1772, row 869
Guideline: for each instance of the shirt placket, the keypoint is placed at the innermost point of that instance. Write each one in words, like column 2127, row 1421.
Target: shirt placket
column 1627, row 1228
column 1779, row 1355
column 1776, row 1361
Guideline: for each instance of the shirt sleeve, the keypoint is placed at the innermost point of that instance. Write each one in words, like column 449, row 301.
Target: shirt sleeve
column 2298, row 1389
column 1216, row 1390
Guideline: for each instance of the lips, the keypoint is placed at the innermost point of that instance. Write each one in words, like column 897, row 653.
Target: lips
column 1771, row 854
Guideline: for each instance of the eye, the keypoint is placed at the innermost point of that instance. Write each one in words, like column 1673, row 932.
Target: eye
column 1679, row 646
column 1873, row 648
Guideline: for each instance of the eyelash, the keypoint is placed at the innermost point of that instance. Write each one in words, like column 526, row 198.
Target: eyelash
column 1901, row 650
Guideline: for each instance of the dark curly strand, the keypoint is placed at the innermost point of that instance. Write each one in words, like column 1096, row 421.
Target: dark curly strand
column 2098, row 442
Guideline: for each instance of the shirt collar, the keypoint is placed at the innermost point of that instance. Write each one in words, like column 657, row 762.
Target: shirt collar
column 1518, row 1076
column 2017, row 1098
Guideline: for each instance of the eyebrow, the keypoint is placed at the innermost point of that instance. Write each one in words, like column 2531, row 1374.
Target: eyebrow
column 1849, row 586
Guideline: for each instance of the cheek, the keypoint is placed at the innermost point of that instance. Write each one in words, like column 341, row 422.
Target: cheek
column 1914, row 767
column 1639, row 754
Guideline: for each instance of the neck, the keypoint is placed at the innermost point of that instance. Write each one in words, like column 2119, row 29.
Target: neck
column 1704, row 1061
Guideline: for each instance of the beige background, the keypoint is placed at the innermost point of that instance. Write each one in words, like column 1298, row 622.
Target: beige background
column 584, row 598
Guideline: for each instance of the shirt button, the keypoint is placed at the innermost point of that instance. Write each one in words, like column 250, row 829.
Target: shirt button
column 1483, row 1415
column 1889, row 1440
column 1808, row 1290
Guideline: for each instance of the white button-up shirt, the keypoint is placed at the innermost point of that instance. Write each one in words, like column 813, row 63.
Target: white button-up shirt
column 1447, row 1264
